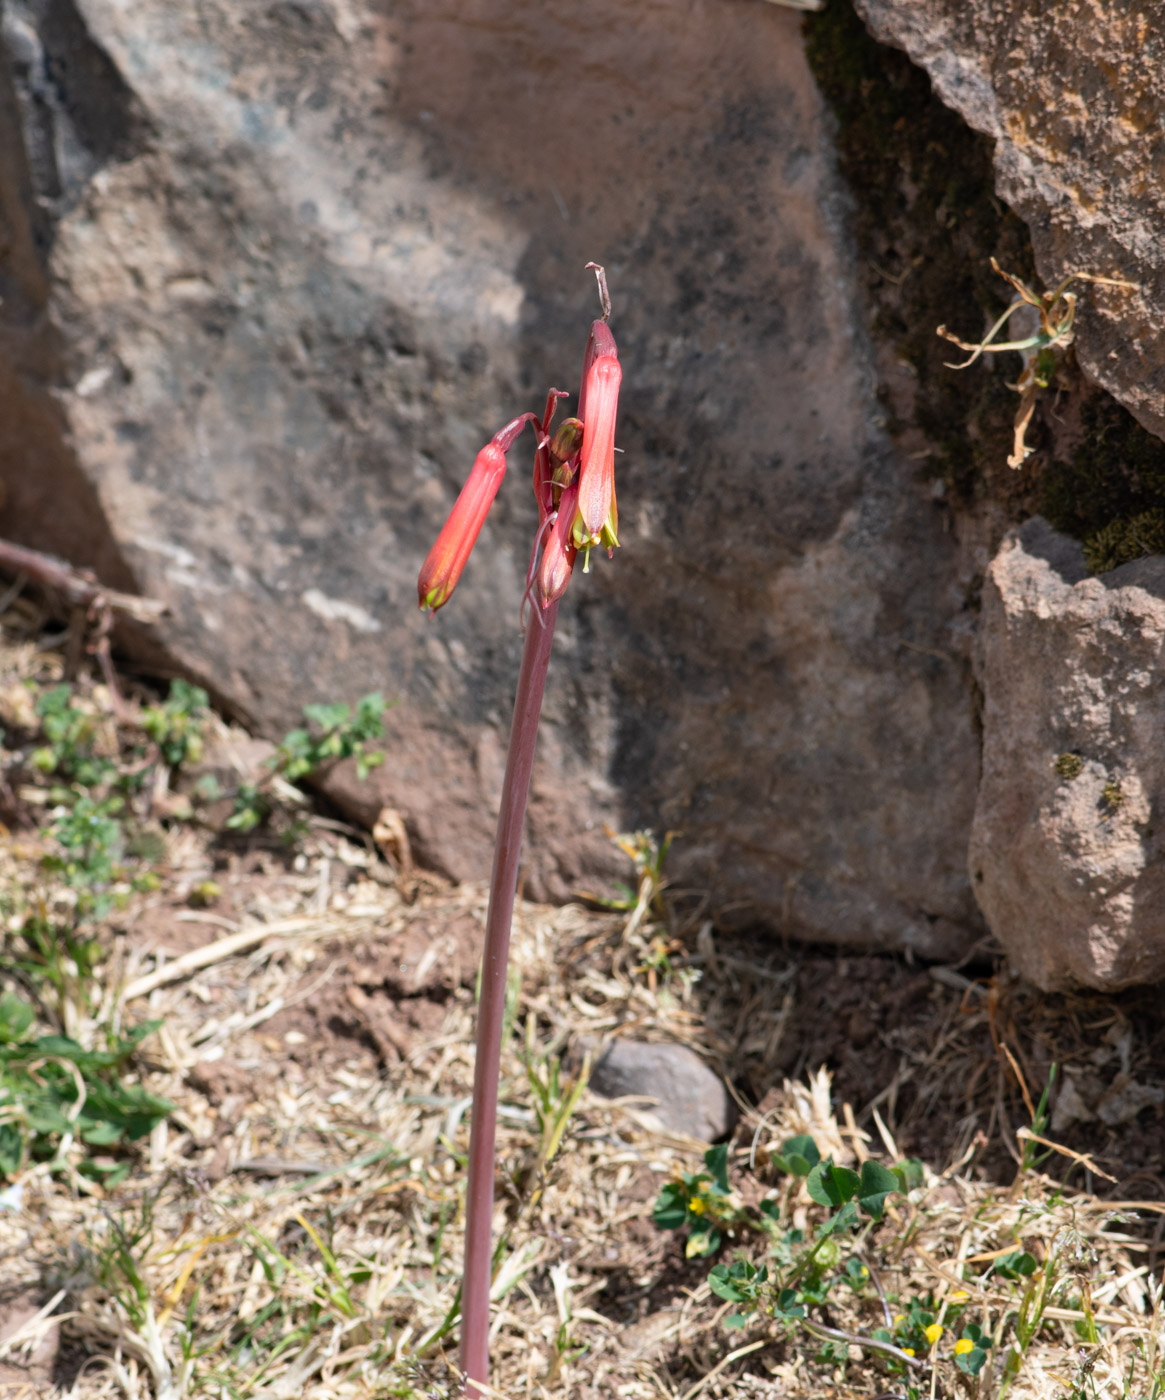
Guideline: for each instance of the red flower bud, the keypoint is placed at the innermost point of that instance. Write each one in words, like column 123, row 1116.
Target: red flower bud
column 558, row 553
column 566, row 441
column 448, row 557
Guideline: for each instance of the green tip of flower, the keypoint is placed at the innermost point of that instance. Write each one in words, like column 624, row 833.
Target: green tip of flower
column 434, row 598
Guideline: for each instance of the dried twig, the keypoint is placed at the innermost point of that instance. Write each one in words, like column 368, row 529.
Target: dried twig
column 81, row 590
column 199, row 958
column 78, row 587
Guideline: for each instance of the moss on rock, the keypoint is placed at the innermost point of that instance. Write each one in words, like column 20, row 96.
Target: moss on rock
column 1111, row 491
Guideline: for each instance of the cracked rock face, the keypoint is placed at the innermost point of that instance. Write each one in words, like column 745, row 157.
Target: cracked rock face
column 1067, row 845
column 1074, row 95
column 255, row 328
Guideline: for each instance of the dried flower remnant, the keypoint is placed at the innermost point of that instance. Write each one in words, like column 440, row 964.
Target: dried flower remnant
column 1057, row 317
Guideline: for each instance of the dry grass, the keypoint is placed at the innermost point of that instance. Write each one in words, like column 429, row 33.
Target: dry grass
column 294, row 1231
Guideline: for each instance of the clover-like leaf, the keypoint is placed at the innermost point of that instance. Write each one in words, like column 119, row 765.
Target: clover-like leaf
column 1018, row 1264
column 16, row 1017
column 875, row 1184
column 787, row 1305
column 909, row 1173
column 831, row 1185
column 716, row 1160
column 798, row 1156
column 971, row 1362
column 671, row 1206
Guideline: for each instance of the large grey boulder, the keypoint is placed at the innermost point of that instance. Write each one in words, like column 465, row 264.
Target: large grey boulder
column 1067, row 845
column 1073, row 95
column 273, row 272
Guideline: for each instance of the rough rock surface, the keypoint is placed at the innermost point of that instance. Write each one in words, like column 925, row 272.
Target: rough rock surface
column 273, row 271
column 1074, row 94
column 1067, row 845
column 691, row 1097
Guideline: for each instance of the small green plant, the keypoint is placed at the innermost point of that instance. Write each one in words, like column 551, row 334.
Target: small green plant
column 93, row 785
column 1043, row 349
column 1032, row 1156
column 800, row 1272
column 333, row 732
column 54, row 1093
column 1038, row 1293
column 176, row 724
column 555, row 1099
column 565, row 1349
column 648, row 854
column 743, row 1283
column 338, row 734
column 92, row 839
column 57, row 962
column 71, row 732
column 971, row 1349
column 701, row 1202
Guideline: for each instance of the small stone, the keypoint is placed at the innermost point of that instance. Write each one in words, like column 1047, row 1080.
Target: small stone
column 691, row 1097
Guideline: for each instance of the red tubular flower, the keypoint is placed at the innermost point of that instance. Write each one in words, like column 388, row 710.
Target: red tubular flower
column 447, row 558
column 558, row 553
column 442, row 568
column 597, row 520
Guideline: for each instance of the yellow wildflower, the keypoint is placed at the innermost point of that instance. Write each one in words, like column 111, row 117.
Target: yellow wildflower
column 899, row 1318
column 960, row 1296
column 908, row 1351
column 697, row 1205
column 934, row 1332
column 963, row 1346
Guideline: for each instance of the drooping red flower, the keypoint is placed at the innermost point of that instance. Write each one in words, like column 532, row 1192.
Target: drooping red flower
column 574, row 481
column 445, row 561
column 597, row 520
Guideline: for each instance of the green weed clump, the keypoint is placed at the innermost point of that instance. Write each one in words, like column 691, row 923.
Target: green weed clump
column 333, row 732
column 67, row 1098
column 54, row 1092
column 806, row 1266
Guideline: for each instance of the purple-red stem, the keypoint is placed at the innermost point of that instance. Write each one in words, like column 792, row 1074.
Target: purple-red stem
column 492, row 1005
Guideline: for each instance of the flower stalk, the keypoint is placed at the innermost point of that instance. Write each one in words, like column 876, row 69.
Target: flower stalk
column 574, row 486
column 491, row 1008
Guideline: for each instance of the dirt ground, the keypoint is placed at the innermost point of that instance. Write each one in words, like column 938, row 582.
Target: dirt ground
column 293, row 1228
